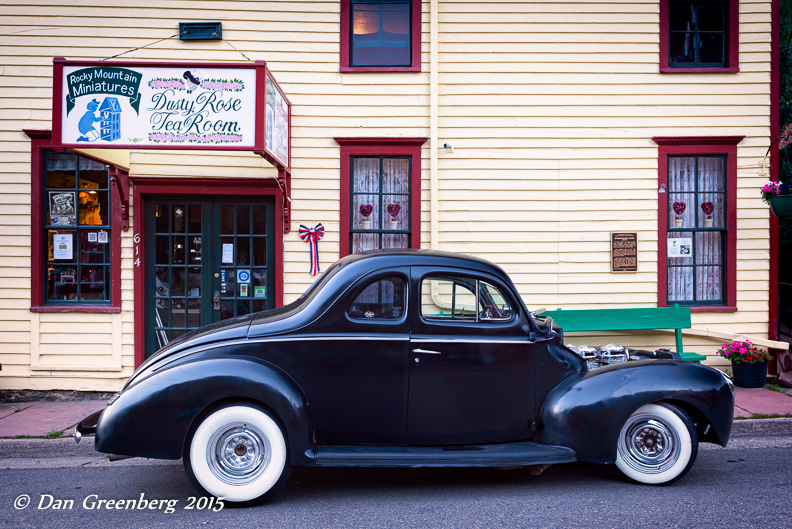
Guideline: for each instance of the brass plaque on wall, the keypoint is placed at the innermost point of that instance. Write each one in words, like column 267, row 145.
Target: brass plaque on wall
column 624, row 252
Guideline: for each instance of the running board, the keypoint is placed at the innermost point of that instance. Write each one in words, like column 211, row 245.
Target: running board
column 488, row 455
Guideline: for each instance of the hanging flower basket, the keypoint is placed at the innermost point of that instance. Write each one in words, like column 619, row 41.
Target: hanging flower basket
column 781, row 205
column 779, row 196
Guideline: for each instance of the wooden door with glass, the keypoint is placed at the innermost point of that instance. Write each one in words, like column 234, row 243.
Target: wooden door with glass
column 207, row 260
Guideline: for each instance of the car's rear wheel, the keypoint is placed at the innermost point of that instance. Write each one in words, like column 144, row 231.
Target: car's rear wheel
column 657, row 445
column 238, row 453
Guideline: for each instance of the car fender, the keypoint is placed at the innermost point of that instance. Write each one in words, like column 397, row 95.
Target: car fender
column 153, row 418
column 587, row 411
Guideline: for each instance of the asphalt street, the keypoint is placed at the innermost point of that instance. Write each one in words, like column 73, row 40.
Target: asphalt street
column 745, row 485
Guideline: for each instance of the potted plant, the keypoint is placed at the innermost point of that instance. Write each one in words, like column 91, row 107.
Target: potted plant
column 393, row 211
column 779, row 197
column 707, row 208
column 365, row 210
column 749, row 363
column 679, row 208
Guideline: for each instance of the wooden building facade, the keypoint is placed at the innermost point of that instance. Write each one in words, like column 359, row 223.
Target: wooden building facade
column 523, row 132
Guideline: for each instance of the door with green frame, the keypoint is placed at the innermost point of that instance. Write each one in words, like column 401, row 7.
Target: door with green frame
column 207, row 260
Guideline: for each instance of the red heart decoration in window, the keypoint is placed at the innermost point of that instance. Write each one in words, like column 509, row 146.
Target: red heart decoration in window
column 393, row 210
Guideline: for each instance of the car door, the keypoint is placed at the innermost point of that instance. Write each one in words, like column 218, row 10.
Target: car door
column 471, row 367
column 354, row 369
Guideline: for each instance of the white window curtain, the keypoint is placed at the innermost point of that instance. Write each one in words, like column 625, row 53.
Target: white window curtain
column 380, row 183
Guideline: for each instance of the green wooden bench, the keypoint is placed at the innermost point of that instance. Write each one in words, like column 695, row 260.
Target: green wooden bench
column 675, row 317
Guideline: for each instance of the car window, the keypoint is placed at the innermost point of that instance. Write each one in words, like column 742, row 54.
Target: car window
column 448, row 298
column 493, row 305
column 383, row 299
column 461, row 298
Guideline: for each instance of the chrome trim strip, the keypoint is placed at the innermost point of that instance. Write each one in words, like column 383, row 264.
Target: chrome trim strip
column 399, row 338
column 427, row 352
column 466, row 340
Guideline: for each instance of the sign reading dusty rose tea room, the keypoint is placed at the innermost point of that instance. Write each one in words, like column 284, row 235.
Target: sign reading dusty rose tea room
column 158, row 106
column 171, row 106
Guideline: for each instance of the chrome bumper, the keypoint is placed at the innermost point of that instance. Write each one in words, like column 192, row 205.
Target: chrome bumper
column 87, row 426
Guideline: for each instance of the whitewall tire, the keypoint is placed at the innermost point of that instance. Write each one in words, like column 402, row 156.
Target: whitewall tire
column 238, row 453
column 657, row 445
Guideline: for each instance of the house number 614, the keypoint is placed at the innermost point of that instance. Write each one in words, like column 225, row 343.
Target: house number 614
column 136, row 240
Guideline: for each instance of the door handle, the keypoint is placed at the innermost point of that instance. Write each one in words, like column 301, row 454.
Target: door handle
column 424, row 351
column 216, row 300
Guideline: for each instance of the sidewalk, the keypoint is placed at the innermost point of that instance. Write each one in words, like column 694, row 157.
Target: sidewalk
column 37, row 419
column 748, row 402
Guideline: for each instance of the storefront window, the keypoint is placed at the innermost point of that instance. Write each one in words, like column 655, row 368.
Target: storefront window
column 76, row 210
column 380, row 203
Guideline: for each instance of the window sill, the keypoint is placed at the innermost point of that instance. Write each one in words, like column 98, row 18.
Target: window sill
column 95, row 309
column 368, row 69
column 713, row 309
column 666, row 69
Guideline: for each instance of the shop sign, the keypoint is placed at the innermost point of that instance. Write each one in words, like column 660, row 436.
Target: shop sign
column 624, row 252
column 124, row 104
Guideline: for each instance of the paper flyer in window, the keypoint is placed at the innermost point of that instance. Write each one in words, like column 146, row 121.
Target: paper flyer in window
column 62, row 246
column 680, row 247
column 102, row 237
column 228, row 254
column 63, row 211
column 92, row 236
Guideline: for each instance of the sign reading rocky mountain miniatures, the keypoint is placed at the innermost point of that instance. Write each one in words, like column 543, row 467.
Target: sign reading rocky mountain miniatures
column 624, row 252
column 171, row 106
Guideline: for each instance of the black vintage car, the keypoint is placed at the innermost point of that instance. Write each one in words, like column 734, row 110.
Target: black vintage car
column 404, row 359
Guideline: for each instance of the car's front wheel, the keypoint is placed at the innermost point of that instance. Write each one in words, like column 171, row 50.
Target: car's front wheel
column 657, row 445
column 238, row 453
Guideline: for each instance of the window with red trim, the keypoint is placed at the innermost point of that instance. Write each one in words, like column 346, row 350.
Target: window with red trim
column 380, row 35
column 75, row 241
column 699, row 36
column 697, row 222
column 380, row 193
column 76, row 229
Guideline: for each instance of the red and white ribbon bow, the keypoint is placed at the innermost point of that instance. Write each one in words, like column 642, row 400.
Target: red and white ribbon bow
column 312, row 236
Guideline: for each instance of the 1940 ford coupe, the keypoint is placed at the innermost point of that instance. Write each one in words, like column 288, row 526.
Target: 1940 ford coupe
column 404, row 359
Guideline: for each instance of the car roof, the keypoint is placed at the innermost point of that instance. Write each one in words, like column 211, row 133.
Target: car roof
column 374, row 259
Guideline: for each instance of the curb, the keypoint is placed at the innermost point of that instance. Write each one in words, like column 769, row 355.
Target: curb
column 756, row 427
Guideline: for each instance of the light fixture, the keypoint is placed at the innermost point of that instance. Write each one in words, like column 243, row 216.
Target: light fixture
column 448, row 147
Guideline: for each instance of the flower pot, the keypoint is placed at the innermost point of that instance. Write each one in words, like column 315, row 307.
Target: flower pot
column 750, row 375
column 366, row 224
column 708, row 222
column 678, row 222
column 781, row 205
column 394, row 224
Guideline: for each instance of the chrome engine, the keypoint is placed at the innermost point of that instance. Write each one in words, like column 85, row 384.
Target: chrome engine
column 616, row 354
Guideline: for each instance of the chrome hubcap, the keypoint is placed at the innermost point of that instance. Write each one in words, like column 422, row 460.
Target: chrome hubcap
column 649, row 445
column 238, row 453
